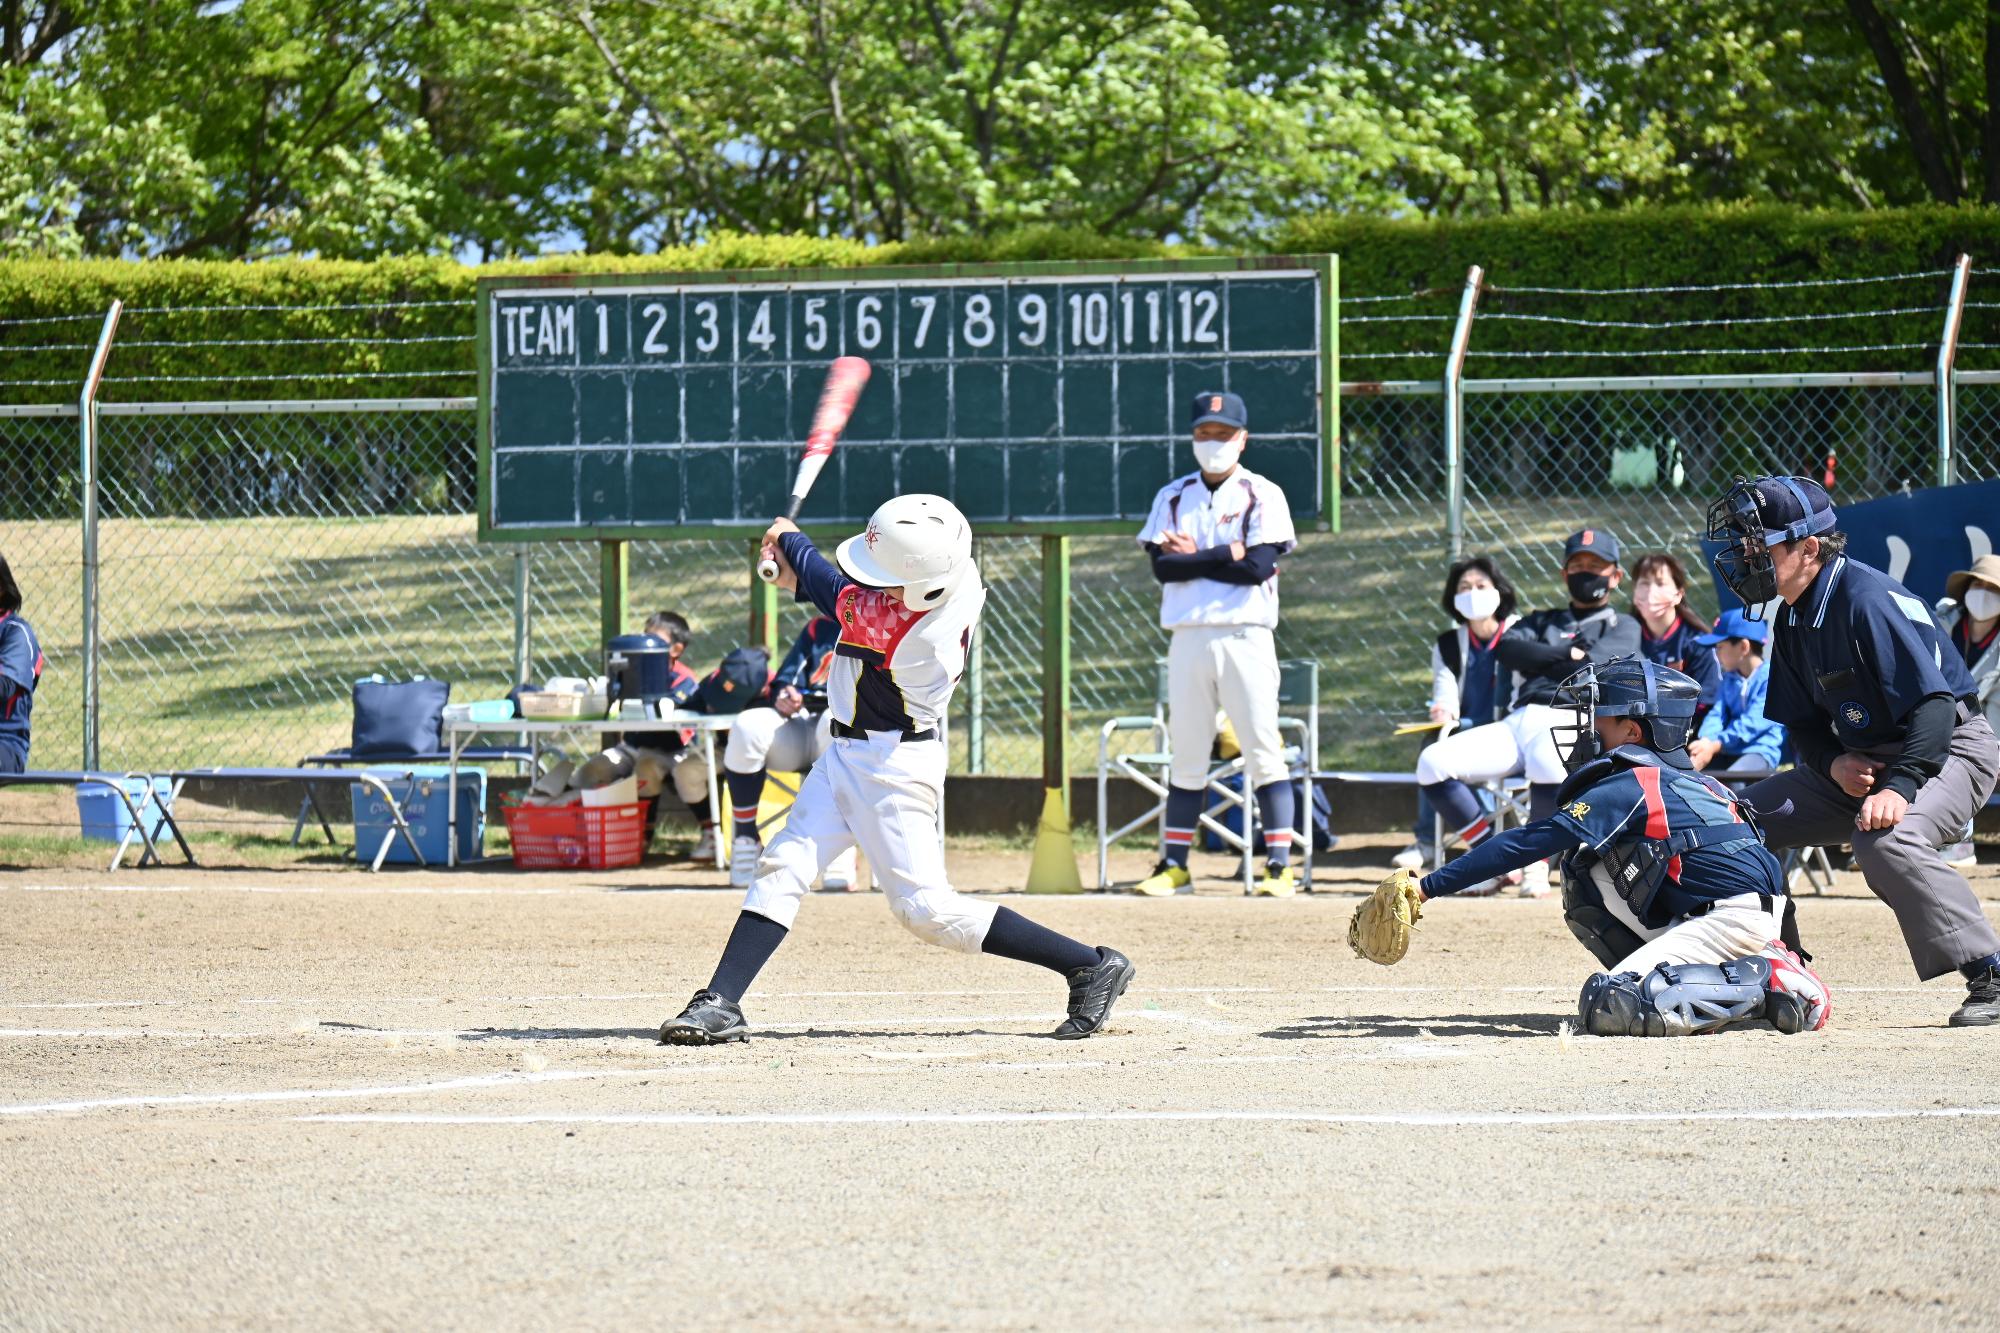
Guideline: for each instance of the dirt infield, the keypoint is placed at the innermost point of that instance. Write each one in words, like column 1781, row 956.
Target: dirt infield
column 327, row 1099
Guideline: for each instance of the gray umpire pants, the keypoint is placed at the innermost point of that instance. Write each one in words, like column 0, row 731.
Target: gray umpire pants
column 1940, row 916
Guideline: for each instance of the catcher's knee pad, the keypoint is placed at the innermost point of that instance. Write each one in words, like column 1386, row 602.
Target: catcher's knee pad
column 944, row 918
column 1584, row 912
column 1796, row 1000
column 1674, row 999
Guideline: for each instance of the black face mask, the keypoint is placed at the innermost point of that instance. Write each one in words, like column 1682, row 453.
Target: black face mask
column 1585, row 588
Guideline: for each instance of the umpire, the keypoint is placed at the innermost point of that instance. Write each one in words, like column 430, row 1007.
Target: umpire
column 1892, row 754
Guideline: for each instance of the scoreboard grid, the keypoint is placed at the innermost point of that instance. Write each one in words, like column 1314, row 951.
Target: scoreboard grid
column 1042, row 398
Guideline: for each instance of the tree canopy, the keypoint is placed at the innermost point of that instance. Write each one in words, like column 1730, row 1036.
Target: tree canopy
column 493, row 128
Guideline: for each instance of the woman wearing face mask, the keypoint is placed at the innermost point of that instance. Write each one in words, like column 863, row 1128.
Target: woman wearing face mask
column 1469, row 688
column 1670, row 628
column 1541, row 650
column 1970, row 618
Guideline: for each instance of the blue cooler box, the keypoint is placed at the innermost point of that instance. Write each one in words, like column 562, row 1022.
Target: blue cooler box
column 422, row 797
column 105, row 817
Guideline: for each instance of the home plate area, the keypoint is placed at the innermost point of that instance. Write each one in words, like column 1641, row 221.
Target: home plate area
column 226, row 1099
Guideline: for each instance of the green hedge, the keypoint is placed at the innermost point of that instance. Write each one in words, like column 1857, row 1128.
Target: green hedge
column 1638, row 247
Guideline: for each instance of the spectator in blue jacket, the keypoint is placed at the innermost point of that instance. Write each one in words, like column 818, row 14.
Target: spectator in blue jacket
column 20, row 671
column 1735, row 735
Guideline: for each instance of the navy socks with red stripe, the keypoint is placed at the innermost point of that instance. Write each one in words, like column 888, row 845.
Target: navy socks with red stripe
column 1276, row 806
column 1183, row 809
column 746, row 790
column 1459, row 807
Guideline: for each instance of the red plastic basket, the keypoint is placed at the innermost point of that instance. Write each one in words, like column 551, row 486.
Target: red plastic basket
column 575, row 837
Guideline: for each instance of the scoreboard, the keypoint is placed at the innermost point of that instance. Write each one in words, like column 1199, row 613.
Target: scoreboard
column 1041, row 398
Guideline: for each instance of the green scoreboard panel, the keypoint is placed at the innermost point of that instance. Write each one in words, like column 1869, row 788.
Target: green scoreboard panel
column 1039, row 398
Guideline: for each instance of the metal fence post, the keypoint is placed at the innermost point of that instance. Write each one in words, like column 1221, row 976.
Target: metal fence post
column 1454, row 413
column 1947, row 387
column 975, row 703
column 524, row 630
column 86, row 415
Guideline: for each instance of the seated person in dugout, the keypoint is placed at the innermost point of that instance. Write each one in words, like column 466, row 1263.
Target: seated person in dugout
column 1969, row 615
column 1469, row 687
column 1666, row 878
column 1541, row 650
column 1669, row 629
column 21, row 664
column 1735, row 735
column 671, row 751
column 788, row 729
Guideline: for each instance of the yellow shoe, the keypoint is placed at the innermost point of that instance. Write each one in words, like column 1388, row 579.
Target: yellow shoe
column 1275, row 882
column 1166, row 880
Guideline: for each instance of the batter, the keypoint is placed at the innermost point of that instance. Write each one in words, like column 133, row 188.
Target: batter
column 1215, row 536
column 906, row 595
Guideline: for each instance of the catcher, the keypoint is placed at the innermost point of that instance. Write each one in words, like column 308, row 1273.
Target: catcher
column 1665, row 875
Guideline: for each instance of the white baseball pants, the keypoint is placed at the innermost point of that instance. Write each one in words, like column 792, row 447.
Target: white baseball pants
column 1236, row 667
column 1736, row 928
column 884, row 795
column 760, row 738
column 1519, row 742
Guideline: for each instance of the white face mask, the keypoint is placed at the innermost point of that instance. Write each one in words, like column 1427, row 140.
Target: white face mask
column 1477, row 603
column 1218, row 456
column 1982, row 603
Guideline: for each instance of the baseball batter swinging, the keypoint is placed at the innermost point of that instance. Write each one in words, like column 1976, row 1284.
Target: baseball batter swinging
column 906, row 595
column 1215, row 536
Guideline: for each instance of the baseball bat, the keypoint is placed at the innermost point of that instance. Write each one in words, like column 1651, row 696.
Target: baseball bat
column 844, row 381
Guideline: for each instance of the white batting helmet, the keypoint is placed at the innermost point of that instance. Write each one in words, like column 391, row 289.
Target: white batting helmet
column 920, row 543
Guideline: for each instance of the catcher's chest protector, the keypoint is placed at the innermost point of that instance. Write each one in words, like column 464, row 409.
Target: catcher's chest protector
column 1643, row 817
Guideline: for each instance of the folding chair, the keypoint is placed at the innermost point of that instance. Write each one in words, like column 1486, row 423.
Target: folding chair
column 1298, row 691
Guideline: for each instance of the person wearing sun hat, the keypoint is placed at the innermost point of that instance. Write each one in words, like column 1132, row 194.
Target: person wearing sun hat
column 1970, row 617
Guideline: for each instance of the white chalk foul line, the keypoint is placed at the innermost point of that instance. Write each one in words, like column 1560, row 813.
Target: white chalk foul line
column 1441, row 1119
column 324, row 1094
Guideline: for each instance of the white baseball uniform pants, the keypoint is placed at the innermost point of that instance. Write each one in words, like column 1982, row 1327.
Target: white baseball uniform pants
column 686, row 770
column 1736, row 928
column 1236, row 667
column 884, row 795
column 760, row 738
column 1519, row 742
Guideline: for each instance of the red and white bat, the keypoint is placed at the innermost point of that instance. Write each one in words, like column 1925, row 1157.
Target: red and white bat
column 844, row 381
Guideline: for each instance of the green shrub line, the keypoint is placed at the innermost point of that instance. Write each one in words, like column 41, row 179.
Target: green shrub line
column 427, row 300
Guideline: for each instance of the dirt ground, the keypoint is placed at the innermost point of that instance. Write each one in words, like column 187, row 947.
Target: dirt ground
column 318, row 1098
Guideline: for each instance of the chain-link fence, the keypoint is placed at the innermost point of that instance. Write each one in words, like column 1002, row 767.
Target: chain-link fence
column 256, row 559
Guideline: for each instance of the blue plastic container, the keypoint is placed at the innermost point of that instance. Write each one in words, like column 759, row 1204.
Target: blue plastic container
column 422, row 798
column 105, row 817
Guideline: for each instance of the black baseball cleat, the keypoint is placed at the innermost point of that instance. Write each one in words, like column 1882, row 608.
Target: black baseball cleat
column 709, row 1020
column 1092, row 992
column 1982, row 1001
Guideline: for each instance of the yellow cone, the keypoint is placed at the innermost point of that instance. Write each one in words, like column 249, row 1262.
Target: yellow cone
column 1053, row 869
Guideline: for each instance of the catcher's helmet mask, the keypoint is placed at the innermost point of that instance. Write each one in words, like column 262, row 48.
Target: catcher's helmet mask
column 1739, row 519
column 1660, row 699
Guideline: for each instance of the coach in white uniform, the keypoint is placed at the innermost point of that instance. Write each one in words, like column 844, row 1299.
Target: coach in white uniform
column 1215, row 536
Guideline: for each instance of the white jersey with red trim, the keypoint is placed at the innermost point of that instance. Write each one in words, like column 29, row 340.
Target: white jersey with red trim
column 893, row 668
column 1245, row 508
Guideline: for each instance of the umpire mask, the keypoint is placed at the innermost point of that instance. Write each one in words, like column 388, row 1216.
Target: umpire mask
column 1754, row 516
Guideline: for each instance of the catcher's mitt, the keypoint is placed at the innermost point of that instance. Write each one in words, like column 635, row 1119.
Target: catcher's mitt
column 1380, row 930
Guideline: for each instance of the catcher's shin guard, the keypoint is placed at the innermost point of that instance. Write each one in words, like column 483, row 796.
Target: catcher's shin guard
column 1674, row 999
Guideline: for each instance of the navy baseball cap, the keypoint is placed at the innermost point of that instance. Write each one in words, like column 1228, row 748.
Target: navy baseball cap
column 1791, row 508
column 1600, row 542
column 1226, row 408
column 1734, row 624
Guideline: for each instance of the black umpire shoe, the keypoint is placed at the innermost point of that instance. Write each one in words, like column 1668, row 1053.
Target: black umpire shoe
column 1982, row 1001
column 709, row 1020
column 1092, row 992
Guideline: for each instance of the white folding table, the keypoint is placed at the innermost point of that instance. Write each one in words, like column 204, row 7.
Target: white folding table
column 588, row 732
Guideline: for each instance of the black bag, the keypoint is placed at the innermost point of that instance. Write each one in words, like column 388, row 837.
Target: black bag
column 740, row 681
column 397, row 719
